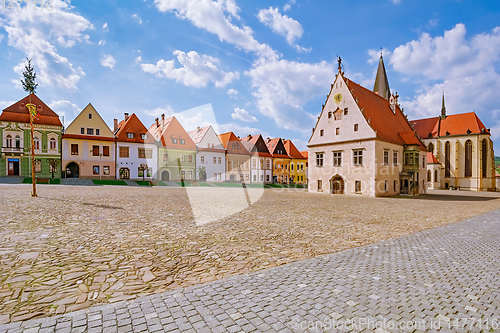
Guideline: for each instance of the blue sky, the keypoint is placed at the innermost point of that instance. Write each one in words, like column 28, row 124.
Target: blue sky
column 264, row 66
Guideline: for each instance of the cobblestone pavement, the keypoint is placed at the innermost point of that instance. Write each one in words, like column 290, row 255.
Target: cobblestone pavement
column 443, row 279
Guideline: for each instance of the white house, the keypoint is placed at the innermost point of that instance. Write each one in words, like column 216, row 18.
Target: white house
column 261, row 161
column 211, row 155
column 135, row 149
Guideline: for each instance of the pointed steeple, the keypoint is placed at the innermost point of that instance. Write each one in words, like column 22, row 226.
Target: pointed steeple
column 443, row 109
column 381, row 86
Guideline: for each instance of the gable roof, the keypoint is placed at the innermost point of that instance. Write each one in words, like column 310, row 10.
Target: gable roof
column 166, row 129
column 455, row 124
column 132, row 124
column 431, row 159
column 256, row 145
column 388, row 125
column 73, row 129
column 273, row 145
column 198, row 134
column 305, row 153
column 232, row 144
column 292, row 151
column 18, row 112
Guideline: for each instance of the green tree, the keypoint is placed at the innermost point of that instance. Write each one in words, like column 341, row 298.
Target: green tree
column 29, row 85
column 202, row 172
column 54, row 163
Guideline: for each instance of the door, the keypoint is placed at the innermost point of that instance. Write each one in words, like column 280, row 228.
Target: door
column 165, row 176
column 124, row 173
column 337, row 185
column 13, row 167
column 72, row 170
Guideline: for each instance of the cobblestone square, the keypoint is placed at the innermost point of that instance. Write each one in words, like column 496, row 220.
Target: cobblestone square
column 75, row 247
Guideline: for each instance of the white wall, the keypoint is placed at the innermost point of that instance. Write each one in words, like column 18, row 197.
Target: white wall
column 133, row 161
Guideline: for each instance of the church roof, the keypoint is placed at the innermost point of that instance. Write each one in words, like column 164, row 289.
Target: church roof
column 455, row 124
column 381, row 86
column 388, row 125
column 18, row 112
column 431, row 159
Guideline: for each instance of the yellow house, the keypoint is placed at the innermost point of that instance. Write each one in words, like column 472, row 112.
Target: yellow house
column 298, row 163
column 88, row 147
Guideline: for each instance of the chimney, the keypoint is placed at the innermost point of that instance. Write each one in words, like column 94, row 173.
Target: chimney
column 157, row 122
column 116, row 124
column 126, row 116
column 249, row 136
column 198, row 129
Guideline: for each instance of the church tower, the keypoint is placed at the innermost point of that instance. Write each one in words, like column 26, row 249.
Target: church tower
column 443, row 109
column 381, row 86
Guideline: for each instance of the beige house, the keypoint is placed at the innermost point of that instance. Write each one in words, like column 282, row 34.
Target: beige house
column 88, row 147
column 460, row 151
column 362, row 143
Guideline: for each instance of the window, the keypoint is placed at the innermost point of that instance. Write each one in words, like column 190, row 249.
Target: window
column 220, row 176
column 215, row 160
column 82, row 130
column 319, row 159
column 358, row 157
column 124, row 152
column 321, row 132
column 430, row 148
column 261, row 178
column 202, row 159
column 174, row 140
column 320, row 185
column 357, row 186
column 337, row 131
column 268, row 164
column 140, row 172
column 97, row 131
column 423, row 162
column 144, row 136
column 468, row 158
column 208, row 145
column 124, row 173
column 484, row 154
column 9, row 141
column 105, row 170
column 237, row 145
column 165, row 157
column 254, row 178
column 337, row 114
column 74, row 149
column 105, row 151
column 38, row 166
column 95, row 169
column 95, row 150
column 447, row 149
column 346, row 111
column 141, row 152
column 301, row 166
column 385, row 186
column 429, row 175
column 386, row 157
column 220, row 160
column 395, row 185
column 36, row 141
column 329, row 114
column 90, row 131
column 53, row 143
column 286, row 166
column 267, row 178
column 182, row 141
column 337, row 158
column 90, row 115
column 247, row 177
column 291, row 166
column 435, row 175
column 234, row 145
column 190, row 158
column 183, row 158
column 395, row 158
column 149, row 153
column 18, row 141
column 409, row 158
column 355, row 127
column 130, row 135
column 183, row 175
column 190, row 175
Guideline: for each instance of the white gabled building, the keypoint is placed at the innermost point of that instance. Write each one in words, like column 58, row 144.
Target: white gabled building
column 261, row 162
column 211, row 155
column 135, row 146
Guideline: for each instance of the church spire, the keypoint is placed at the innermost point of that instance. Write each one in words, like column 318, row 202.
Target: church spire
column 443, row 109
column 381, row 86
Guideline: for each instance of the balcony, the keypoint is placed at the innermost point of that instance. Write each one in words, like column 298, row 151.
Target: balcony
column 12, row 150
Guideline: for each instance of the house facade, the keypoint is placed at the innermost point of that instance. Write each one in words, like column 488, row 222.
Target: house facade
column 88, row 147
column 305, row 153
column 137, row 152
column 15, row 133
column 362, row 143
column 176, row 150
column 298, row 163
column 460, row 150
column 281, row 160
column 237, row 158
column 211, row 156
column 261, row 160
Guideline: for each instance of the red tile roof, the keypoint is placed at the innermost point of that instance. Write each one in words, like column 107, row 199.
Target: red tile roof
column 229, row 140
column 132, row 125
column 388, row 125
column 431, row 159
column 168, row 129
column 256, row 145
column 198, row 134
column 305, row 153
column 292, row 151
column 455, row 124
column 18, row 112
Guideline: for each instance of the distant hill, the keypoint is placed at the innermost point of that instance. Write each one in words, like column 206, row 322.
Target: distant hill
column 497, row 161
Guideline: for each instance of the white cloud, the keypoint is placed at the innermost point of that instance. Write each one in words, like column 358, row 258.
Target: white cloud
column 217, row 17
column 375, row 55
column 37, row 33
column 202, row 115
column 138, row 59
column 281, row 24
column 105, row 27
column 396, row 1
column 465, row 69
column 241, row 131
column 137, row 17
column 196, row 71
column 168, row 111
column 284, row 86
column 232, row 92
column 102, row 42
column 65, row 109
column 4, row 104
column 288, row 5
column 243, row 115
column 107, row 60
column 1, row 37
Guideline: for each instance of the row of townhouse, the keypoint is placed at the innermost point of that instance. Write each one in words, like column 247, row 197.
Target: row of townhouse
column 88, row 148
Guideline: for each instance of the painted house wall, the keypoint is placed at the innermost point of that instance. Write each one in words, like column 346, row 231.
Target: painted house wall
column 261, row 172
column 173, row 165
column 238, row 167
column 298, row 171
column 133, row 161
column 215, row 171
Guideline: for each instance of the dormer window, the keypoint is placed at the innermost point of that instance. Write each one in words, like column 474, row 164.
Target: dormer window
column 346, row 111
column 355, row 127
column 174, row 140
column 321, row 132
column 182, row 141
column 130, row 135
column 97, row 131
column 329, row 114
column 447, row 133
column 469, row 132
column 144, row 136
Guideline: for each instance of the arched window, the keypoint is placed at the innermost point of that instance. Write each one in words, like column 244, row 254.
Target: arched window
column 9, row 141
column 37, row 143
column 447, row 150
column 468, row 158
column 53, row 144
column 429, row 174
column 435, row 176
column 484, row 156
column 430, row 148
column 18, row 141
